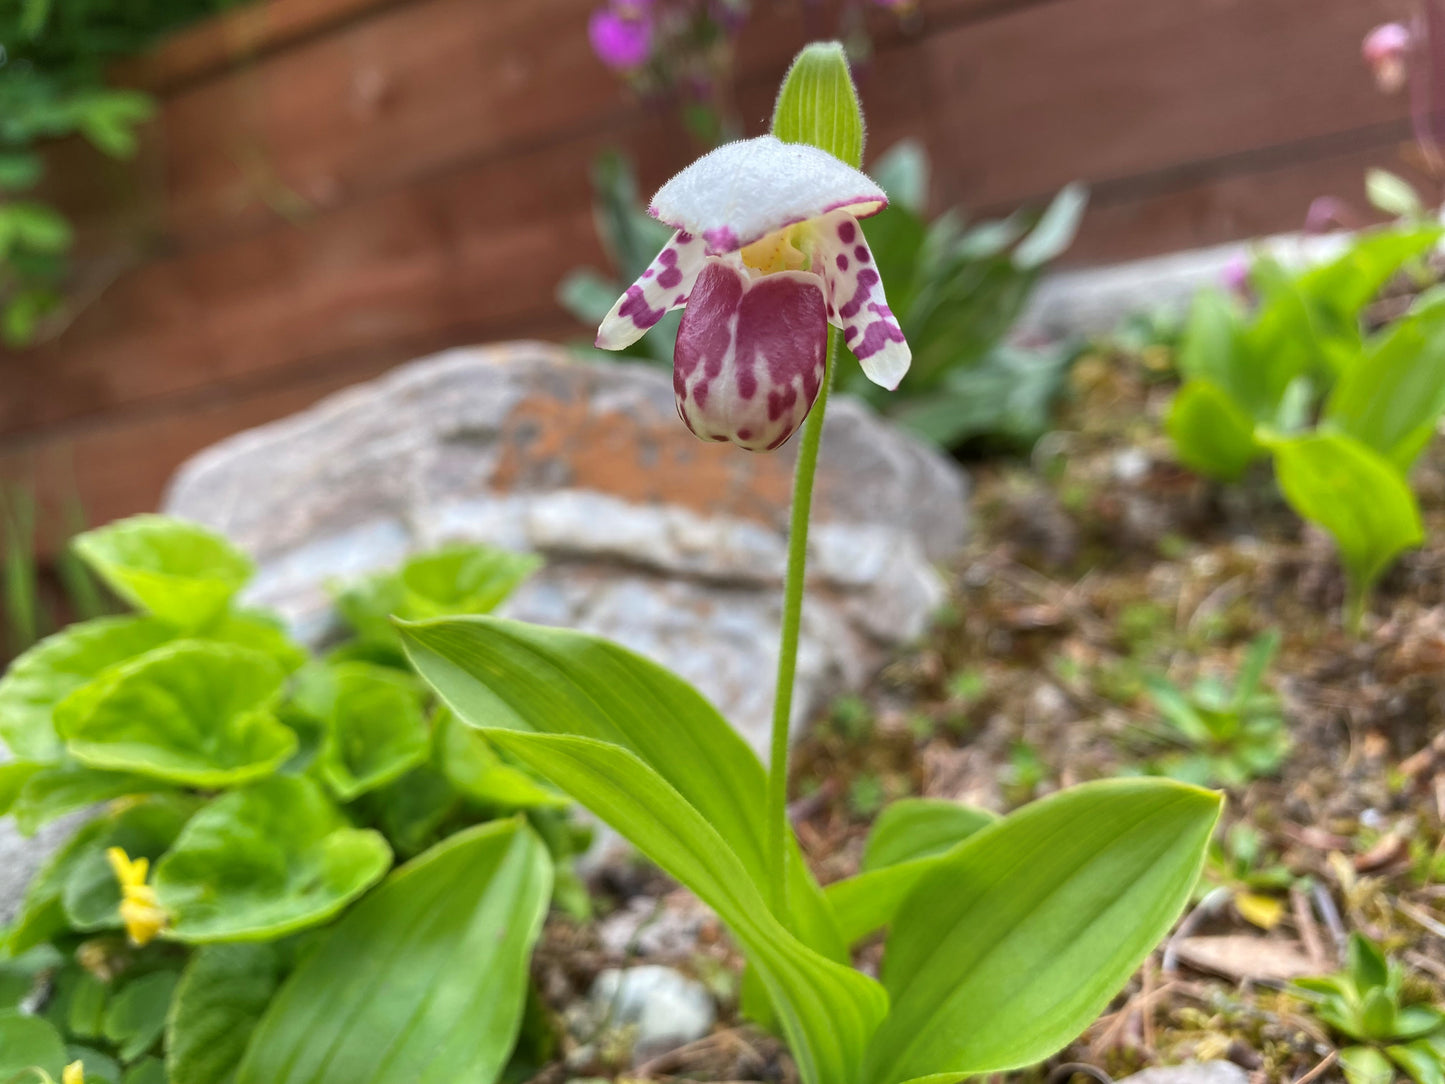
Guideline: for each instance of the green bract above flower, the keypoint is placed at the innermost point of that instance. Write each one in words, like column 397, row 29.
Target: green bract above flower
column 768, row 253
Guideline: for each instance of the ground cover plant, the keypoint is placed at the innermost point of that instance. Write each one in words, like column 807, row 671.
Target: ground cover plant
column 231, row 911
column 1342, row 410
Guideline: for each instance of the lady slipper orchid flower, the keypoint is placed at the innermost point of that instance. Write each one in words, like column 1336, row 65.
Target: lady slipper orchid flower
column 767, row 253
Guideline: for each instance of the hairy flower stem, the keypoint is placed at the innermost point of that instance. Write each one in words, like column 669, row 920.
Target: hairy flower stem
column 788, row 648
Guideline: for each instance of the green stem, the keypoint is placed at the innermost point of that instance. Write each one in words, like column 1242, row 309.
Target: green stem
column 788, row 648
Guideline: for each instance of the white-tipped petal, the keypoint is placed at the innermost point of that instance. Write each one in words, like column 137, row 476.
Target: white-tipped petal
column 664, row 286
column 856, row 303
column 745, row 190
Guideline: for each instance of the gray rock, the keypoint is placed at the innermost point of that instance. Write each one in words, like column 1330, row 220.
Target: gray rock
column 667, row 1009
column 1200, row 1072
column 1095, row 300
column 673, row 547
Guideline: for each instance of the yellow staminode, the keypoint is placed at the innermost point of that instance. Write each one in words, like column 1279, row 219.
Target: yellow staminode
column 142, row 914
column 74, row 1074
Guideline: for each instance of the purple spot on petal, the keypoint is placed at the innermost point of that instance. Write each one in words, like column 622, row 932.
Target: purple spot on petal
column 862, row 253
column 684, row 238
column 680, row 299
column 850, row 331
column 867, row 279
column 842, row 262
column 745, row 433
column 668, row 256
column 878, row 336
column 846, row 232
column 636, row 307
column 670, row 279
column 648, row 273
column 721, row 239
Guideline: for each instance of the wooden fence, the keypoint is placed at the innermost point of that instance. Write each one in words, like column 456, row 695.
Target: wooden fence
column 336, row 186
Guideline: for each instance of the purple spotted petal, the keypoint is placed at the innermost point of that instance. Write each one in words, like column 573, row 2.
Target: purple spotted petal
column 750, row 355
column 855, row 299
column 664, row 286
column 746, row 190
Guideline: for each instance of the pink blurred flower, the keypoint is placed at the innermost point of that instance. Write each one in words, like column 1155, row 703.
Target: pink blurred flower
column 1235, row 277
column 621, row 34
column 1329, row 213
column 1385, row 50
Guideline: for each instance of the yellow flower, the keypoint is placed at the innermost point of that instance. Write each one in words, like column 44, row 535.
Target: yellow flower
column 139, row 910
column 74, row 1074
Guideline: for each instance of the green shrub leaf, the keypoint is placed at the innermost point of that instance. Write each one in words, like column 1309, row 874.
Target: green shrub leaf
column 376, row 729
column 55, row 790
column 264, row 861
column 28, row 1042
column 1009, row 948
column 181, row 572
column 136, row 1015
column 424, row 981
column 59, row 665
column 472, row 765
column 191, row 712
column 643, row 750
column 221, row 997
column 463, row 580
column 1211, row 434
column 910, row 838
column 1392, row 396
column 143, row 829
column 1356, row 495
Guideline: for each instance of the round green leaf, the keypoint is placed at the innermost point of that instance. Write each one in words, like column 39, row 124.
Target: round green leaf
column 463, row 580
column 176, row 570
column 192, row 712
column 91, row 894
column 377, row 728
column 28, row 1042
column 264, row 861
column 59, row 665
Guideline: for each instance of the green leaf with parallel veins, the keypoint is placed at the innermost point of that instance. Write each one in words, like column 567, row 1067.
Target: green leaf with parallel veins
column 222, row 995
column 192, row 712
column 818, row 104
column 646, row 753
column 424, row 981
column 475, row 769
column 1211, row 434
column 1423, row 1061
column 136, row 1016
column 826, row 1010
column 28, row 1042
column 1356, row 495
column 59, row 665
column 181, row 572
column 463, row 580
column 909, row 839
column 495, row 673
column 1393, row 395
column 913, row 828
column 271, row 859
column 377, row 730
column 1014, row 944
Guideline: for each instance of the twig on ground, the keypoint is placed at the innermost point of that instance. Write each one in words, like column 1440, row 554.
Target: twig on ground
column 1309, row 931
column 1320, row 1069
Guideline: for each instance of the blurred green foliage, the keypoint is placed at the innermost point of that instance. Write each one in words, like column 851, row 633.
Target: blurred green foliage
column 53, row 61
column 1302, row 378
